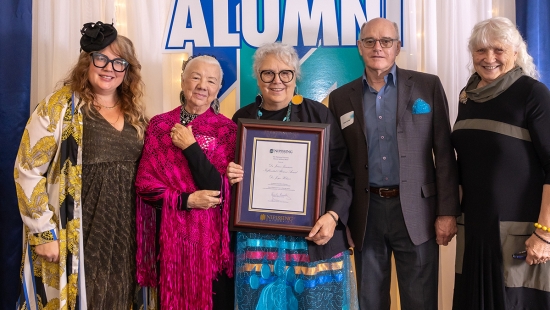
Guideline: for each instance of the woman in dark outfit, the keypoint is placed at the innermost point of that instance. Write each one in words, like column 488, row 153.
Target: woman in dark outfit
column 502, row 139
column 321, row 261
column 182, row 175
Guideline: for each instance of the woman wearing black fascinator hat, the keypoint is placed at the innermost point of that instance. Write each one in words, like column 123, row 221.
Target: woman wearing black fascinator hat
column 74, row 176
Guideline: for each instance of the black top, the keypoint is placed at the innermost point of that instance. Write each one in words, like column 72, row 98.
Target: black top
column 503, row 149
column 499, row 169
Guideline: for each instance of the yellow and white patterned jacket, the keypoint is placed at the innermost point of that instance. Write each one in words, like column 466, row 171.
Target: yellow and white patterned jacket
column 47, row 176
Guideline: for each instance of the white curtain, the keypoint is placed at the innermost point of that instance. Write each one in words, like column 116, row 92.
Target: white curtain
column 435, row 41
column 56, row 37
column 438, row 33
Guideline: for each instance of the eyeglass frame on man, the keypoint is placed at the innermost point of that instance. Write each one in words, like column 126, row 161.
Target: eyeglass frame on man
column 276, row 73
column 389, row 42
column 125, row 63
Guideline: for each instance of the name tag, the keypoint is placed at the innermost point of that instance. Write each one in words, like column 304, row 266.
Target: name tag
column 347, row 119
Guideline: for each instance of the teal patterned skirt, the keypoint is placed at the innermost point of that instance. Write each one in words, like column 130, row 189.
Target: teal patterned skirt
column 274, row 272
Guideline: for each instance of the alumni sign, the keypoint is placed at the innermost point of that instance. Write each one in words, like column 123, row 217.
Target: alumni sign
column 324, row 32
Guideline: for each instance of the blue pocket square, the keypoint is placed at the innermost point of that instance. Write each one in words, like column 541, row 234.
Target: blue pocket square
column 421, row 107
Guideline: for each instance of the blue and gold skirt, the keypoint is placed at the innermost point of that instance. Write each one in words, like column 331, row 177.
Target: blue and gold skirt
column 274, row 272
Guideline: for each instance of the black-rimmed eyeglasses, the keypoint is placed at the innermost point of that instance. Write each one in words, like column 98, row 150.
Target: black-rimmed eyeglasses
column 267, row 76
column 384, row 42
column 101, row 61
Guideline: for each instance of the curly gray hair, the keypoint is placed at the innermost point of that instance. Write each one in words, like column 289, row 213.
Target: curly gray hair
column 282, row 51
column 501, row 29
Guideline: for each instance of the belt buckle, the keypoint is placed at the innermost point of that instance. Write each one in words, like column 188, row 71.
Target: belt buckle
column 382, row 189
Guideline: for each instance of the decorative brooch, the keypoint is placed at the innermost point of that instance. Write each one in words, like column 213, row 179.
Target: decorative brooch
column 463, row 97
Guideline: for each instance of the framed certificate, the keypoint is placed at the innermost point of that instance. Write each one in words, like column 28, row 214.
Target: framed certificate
column 283, row 188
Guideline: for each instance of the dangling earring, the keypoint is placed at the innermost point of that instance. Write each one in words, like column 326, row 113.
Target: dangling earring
column 216, row 105
column 297, row 99
column 182, row 99
column 259, row 102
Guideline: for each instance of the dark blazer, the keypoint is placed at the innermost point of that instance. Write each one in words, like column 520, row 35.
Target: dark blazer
column 339, row 189
column 427, row 164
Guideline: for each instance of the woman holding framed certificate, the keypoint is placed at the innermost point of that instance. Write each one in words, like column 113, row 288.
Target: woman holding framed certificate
column 290, row 271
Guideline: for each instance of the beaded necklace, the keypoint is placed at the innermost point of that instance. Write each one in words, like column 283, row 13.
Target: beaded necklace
column 186, row 117
column 296, row 99
column 285, row 119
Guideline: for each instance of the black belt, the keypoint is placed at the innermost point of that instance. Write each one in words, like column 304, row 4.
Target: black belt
column 385, row 192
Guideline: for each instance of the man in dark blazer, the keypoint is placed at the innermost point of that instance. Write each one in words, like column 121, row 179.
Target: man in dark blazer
column 395, row 123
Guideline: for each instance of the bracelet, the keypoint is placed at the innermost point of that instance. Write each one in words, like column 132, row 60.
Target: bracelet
column 544, row 228
column 333, row 217
column 541, row 238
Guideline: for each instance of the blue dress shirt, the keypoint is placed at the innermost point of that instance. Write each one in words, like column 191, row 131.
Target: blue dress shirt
column 380, row 112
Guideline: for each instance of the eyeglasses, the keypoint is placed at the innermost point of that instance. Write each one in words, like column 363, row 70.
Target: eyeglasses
column 101, row 61
column 267, row 76
column 384, row 42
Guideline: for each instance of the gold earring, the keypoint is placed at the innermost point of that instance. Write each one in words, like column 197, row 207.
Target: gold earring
column 297, row 98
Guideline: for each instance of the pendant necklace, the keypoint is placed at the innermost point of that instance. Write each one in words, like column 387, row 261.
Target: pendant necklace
column 118, row 116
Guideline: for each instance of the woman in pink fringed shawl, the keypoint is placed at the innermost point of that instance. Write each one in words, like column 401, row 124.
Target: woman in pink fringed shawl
column 183, row 198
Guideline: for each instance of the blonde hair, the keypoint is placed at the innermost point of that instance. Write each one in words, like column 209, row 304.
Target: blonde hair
column 130, row 92
column 501, row 29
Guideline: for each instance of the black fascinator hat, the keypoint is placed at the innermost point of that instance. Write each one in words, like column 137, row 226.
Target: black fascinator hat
column 96, row 36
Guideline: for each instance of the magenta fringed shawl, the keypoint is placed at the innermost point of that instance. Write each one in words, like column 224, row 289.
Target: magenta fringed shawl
column 194, row 244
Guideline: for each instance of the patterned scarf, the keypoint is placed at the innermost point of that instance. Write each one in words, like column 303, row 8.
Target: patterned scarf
column 194, row 244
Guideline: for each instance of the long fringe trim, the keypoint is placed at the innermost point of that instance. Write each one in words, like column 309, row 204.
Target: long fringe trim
column 227, row 258
column 146, row 244
column 194, row 250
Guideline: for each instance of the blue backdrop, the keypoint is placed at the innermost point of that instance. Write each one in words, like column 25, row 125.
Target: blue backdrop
column 532, row 21
column 15, row 81
column 15, row 68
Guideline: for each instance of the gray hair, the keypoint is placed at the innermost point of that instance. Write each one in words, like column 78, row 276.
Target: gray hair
column 501, row 29
column 282, row 51
column 394, row 26
column 202, row 58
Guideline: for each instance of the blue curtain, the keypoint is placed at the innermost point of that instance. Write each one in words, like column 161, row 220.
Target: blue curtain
column 532, row 21
column 15, row 80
